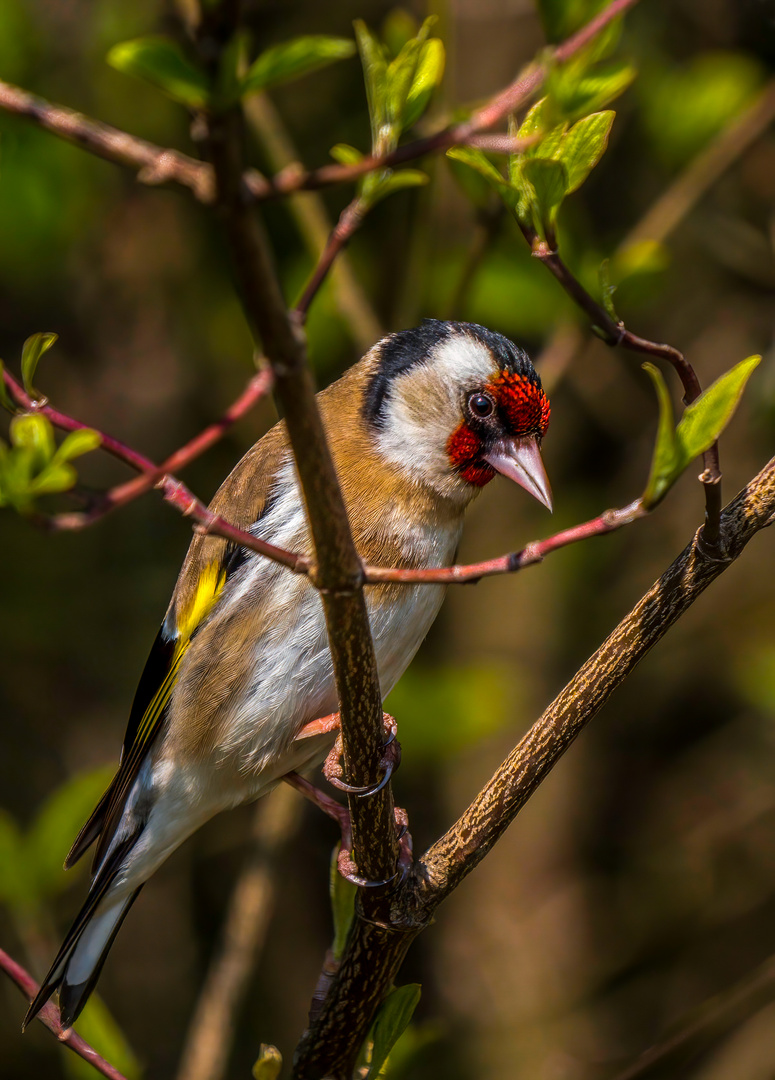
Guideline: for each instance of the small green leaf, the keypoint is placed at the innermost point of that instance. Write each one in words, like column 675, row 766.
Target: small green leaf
column 548, row 180
column 291, row 59
column 582, row 147
column 705, row 419
column 375, row 77
column 268, row 1063
column 607, row 290
column 77, row 443
column 53, row 480
column 161, row 62
column 345, row 154
column 397, row 28
column 663, row 462
column 391, row 1022
column 542, row 120
column 700, row 426
column 476, row 159
column 579, row 94
column 5, row 397
column 342, row 895
column 387, row 184
column 32, row 350
column 429, row 73
column 34, row 433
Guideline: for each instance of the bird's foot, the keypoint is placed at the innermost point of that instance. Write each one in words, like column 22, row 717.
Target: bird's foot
column 341, row 815
column 388, row 762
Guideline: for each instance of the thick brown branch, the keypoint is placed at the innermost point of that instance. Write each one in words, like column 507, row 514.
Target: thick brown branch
column 49, row 1017
column 456, row 854
column 375, row 953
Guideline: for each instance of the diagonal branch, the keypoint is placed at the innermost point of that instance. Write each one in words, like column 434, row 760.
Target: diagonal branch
column 49, row 1017
column 330, row 1047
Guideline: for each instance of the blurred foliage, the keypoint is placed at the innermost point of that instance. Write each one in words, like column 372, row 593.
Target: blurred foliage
column 640, row 880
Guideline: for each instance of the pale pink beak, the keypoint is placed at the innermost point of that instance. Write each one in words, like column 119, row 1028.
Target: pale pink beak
column 520, row 460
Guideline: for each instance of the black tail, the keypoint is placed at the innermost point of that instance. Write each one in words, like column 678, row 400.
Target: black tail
column 78, row 963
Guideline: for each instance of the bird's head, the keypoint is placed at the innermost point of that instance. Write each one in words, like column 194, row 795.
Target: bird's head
column 454, row 404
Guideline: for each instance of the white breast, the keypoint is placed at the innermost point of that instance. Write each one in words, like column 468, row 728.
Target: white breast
column 292, row 679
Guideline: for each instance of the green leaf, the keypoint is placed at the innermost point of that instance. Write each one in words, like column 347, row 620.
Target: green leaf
column 542, row 120
column 33, row 432
column 375, row 77
column 77, row 443
column 387, row 184
column 476, row 159
column 391, row 1022
column 32, row 350
column 57, row 823
column 549, row 182
column 161, row 62
column 292, row 59
column 578, row 94
column 342, row 895
column 53, row 480
column 705, row 419
column 268, row 1063
column 5, row 397
column 427, row 77
column 700, row 426
column 582, row 147
column 663, row 462
column 397, row 28
column 345, row 154
column 98, row 1027
column 561, row 18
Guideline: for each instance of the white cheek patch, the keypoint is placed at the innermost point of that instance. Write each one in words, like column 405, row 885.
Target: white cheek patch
column 423, row 410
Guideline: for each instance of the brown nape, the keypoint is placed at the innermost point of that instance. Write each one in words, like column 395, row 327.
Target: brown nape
column 371, row 483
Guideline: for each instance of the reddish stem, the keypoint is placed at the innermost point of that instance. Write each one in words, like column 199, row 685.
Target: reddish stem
column 349, row 221
column 49, row 1017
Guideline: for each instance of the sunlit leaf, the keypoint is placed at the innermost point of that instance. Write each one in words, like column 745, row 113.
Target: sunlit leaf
column 578, row 94
column 291, row 59
column 161, row 62
column 268, row 1064
column 548, row 179
column 582, row 147
column 393, row 1018
column 346, row 155
column 700, row 426
column 342, row 895
column 33, row 432
column 375, row 77
column 542, row 120
column 476, row 159
column 665, row 455
column 32, row 350
column 53, row 480
column 705, row 419
column 427, row 77
column 392, row 182
column 77, row 443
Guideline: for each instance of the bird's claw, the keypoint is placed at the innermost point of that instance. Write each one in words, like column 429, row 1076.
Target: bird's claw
column 389, row 762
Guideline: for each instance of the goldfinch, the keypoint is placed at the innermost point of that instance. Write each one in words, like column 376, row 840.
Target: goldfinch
column 241, row 663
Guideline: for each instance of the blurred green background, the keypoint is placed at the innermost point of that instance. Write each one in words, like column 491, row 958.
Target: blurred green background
column 640, row 880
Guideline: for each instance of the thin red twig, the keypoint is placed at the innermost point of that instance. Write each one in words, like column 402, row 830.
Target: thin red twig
column 49, row 1017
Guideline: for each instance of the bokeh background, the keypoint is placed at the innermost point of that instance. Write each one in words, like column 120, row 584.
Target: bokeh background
column 640, row 880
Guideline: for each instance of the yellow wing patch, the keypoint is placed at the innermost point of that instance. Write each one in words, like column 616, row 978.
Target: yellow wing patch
column 208, row 589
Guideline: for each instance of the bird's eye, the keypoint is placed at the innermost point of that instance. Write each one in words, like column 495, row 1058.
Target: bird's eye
column 481, row 405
